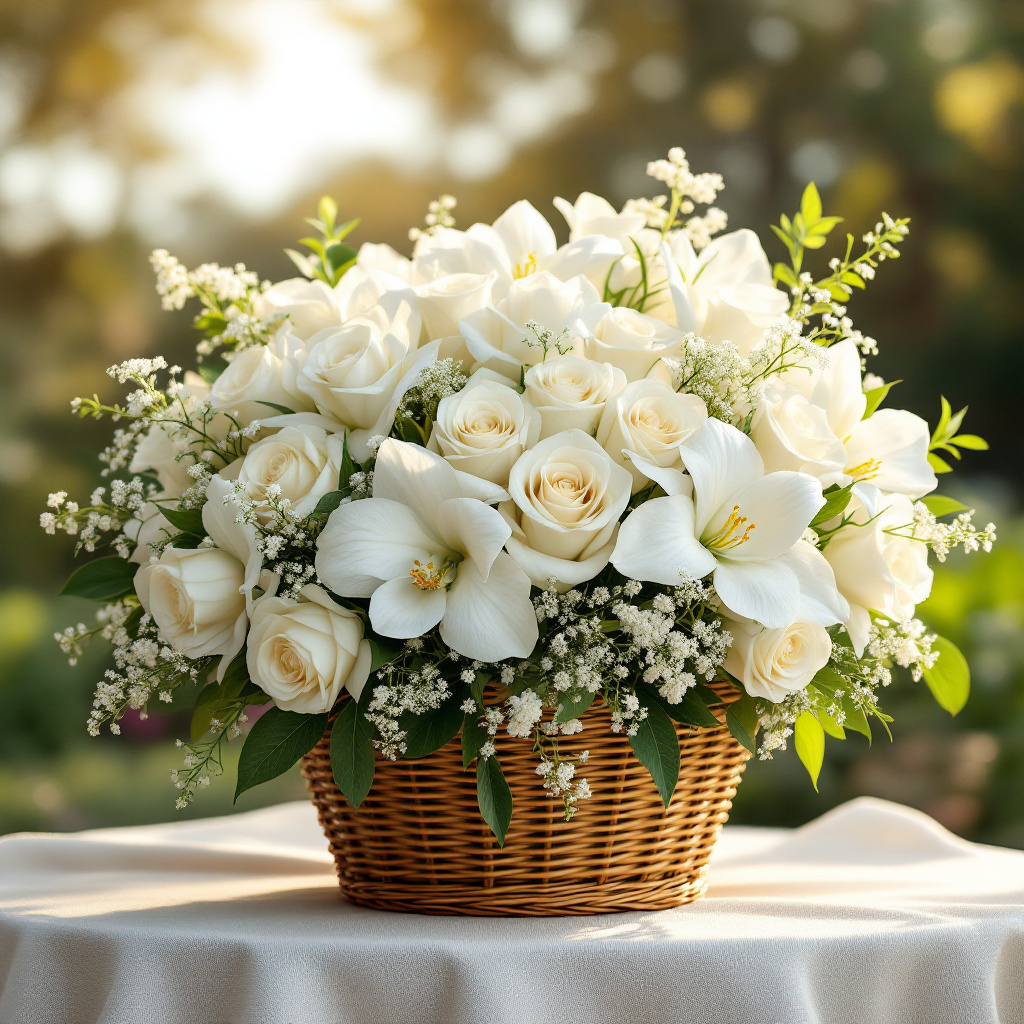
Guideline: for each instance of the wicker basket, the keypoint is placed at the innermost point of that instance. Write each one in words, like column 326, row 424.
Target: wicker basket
column 417, row 842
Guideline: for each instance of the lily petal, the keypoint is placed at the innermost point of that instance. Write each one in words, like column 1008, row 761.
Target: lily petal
column 672, row 481
column 820, row 601
column 656, row 543
column 890, row 449
column 721, row 460
column 766, row 592
column 368, row 541
column 493, row 619
column 414, row 476
column 473, row 529
column 400, row 609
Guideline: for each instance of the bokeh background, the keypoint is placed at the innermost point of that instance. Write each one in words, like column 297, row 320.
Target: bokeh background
column 210, row 127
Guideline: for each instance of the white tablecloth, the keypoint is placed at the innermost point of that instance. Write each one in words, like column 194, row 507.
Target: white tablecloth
column 871, row 914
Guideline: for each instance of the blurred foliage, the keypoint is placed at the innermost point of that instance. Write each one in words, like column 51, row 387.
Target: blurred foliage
column 912, row 106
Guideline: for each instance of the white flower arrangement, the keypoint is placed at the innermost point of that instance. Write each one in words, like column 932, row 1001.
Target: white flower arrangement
column 483, row 487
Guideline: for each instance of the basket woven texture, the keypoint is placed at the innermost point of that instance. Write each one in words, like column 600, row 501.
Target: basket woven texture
column 417, row 842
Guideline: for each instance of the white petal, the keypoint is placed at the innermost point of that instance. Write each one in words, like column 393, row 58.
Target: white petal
column 767, row 592
column 368, row 541
column 657, row 545
column 476, row 487
column 566, row 572
column 722, row 460
column 491, row 620
column 840, row 390
column 897, row 440
column 360, row 671
column 686, row 316
column 590, row 256
column 414, row 476
column 820, row 601
column 473, row 529
column 858, row 625
column 525, row 232
column 776, row 510
column 671, row 481
column 400, row 609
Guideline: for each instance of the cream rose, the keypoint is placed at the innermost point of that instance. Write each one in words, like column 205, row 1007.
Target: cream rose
column 485, row 427
column 301, row 652
column 651, row 420
column 875, row 568
column 196, row 600
column 310, row 306
column 259, row 375
column 444, row 302
column 351, row 372
column 566, row 499
column 570, row 392
column 631, row 341
column 791, row 433
column 773, row 663
column 303, row 462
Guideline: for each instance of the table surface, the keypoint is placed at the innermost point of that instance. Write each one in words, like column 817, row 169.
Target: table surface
column 871, row 914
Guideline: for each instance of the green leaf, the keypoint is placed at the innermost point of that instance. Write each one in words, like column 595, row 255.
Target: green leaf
column 352, row 757
column 971, row 442
column 809, row 740
column 707, row 695
column 692, row 710
column 569, row 709
column 277, row 740
column 836, row 500
column 939, row 505
column 104, row 579
column 344, row 230
column 657, row 747
column 741, row 718
column 348, row 467
column 217, row 698
column 211, row 371
column 494, row 797
column 476, row 688
column 949, row 678
column 876, row 396
column 278, row 408
column 188, row 520
column 328, row 502
column 939, row 465
column 383, row 650
column 301, row 262
column 431, row 730
column 474, row 736
column 339, row 255
column 327, row 211
column 830, row 725
column 810, row 204
column 857, row 720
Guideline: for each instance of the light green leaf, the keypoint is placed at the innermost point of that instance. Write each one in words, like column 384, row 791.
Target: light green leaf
column 876, row 396
column 809, row 740
column 971, row 442
column 836, row 500
column 940, row 505
column 949, row 678
column 810, row 204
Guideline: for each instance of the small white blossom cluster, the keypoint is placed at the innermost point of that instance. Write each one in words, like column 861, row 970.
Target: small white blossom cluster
column 688, row 189
column 89, row 524
column 439, row 215
column 561, row 782
column 907, row 643
column 524, row 712
column 715, row 373
column 436, row 381
column 412, row 691
column 176, row 284
column 944, row 537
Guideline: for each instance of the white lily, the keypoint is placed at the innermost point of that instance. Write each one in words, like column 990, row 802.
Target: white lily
column 742, row 525
column 426, row 556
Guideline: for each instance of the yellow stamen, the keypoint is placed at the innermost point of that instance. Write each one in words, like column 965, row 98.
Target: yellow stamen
column 527, row 267
column 865, row 471
column 428, row 577
column 734, row 532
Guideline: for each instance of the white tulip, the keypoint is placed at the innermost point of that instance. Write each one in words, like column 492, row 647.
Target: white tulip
column 426, row 556
column 773, row 663
column 877, row 567
column 446, row 300
column 498, row 338
column 566, row 499
column 485, row 427
column 631, row 341
column 195, row 598
column 302, row 652
column 743, row 526
column 571, row 392
column 729, row 288
column 301, row 462
column 259, row 375
column 651, row 420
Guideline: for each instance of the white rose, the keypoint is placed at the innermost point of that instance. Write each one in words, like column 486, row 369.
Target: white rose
column 650, row 419
column 303, row 462
column 351, row 372
column 301, row 652
column 570, row 392
column 485, row 427
column 791, row 433
column 258, row 375
column 773, row 663
column 196, row 600
column 445, row 301
column 310, row 306
column 875, row 568
column 631, row 341
column 566, row 499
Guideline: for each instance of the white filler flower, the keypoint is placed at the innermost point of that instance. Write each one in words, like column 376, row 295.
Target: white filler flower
column 742, row 525
column 425, row 555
